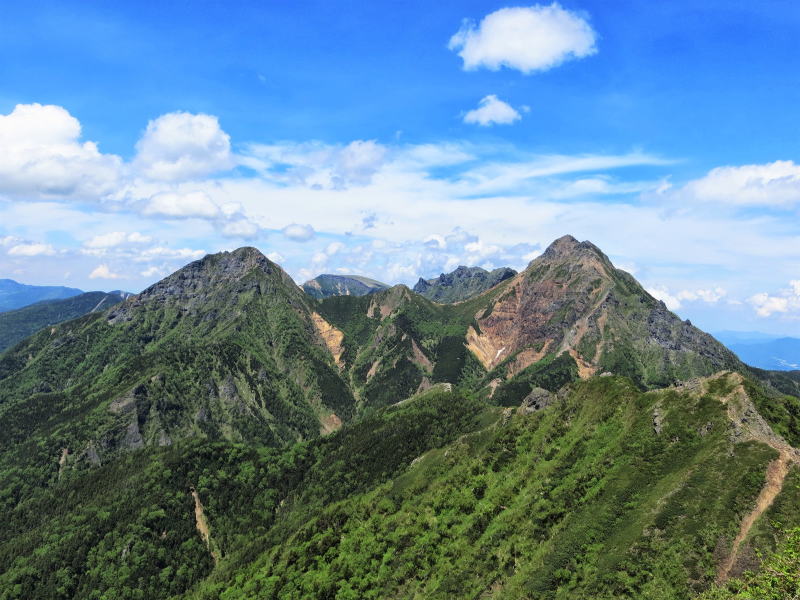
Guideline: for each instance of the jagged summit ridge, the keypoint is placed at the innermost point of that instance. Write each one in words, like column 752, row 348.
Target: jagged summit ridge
column 192, row 286
column 567, row 247
column 572, row 299
column 462, row 283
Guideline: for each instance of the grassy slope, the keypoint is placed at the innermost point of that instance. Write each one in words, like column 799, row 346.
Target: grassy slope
column 581, row 500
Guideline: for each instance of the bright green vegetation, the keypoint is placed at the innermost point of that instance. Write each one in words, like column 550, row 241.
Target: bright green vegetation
column 411, row 344
column 235, row 359
column 438, row 497
column 16, row 325
column 778, row 578
column 551, row 373
column 581, row 500
column 217, row 382
column 126, row 529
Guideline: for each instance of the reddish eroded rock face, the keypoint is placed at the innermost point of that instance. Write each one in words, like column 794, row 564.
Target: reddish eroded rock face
column 546, row 308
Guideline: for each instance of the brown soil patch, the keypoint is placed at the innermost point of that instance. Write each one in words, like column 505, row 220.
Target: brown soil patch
column 330, row 424
column 331, row 336
column 201, row 522
column 776, row 474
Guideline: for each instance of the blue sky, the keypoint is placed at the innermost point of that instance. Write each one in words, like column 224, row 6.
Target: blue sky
column 401, row 139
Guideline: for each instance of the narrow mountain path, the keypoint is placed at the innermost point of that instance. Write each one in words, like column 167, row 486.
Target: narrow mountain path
column 201, row 522
column 776, row 474
column 749, row 425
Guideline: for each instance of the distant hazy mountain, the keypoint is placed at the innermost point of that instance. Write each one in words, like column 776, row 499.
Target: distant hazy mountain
column 325, row 286
column 16, row 325
column 763, row 350
column 461, row 284
column 16, row 295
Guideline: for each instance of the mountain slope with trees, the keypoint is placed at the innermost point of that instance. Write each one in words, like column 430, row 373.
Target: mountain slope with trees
column 224, row 435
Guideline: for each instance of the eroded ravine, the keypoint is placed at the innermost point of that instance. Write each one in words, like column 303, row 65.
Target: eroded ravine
column 201, row 522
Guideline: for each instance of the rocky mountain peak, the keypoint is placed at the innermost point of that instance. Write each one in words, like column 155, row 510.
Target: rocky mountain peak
column 461, row 284
column 229, row 272
column 567, row 247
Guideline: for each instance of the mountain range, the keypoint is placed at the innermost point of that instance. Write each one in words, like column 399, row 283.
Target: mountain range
column 16, row 295
column 461, row 284
column 762, row 350
column 224, row 434
column 16, row 325
column 324, row 286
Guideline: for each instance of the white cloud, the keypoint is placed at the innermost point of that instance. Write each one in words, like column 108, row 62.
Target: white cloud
column 663, row 294
column 359, row 160
column 179, row 146
column 787, row 301
column 9, row 240
column 181, row 205
column 771, row 184
column 317, row 165
column 535, row 38
column 31, row 249
column 41, row 156
column 240, row 228
column 161, row 252
column 152, row 271
column 299, row 233
column 675, row 300
column 104, row 272
column 491, row 110
column 116, row 238
column 276, row 257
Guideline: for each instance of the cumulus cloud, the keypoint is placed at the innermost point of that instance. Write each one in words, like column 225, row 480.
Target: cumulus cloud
column 299, row 233
column 181, row 205
column 785, row 302
column 104, row 272
column 31, row 249
column 492, row 111
column 180, row 145
column 675, row 300
column 41, row 156
column 771, row 184
column 535, row 38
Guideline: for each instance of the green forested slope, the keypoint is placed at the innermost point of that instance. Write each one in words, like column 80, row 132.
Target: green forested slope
column 173, row 445
column 584, row 499
column 127, row 529
column 222, row 349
